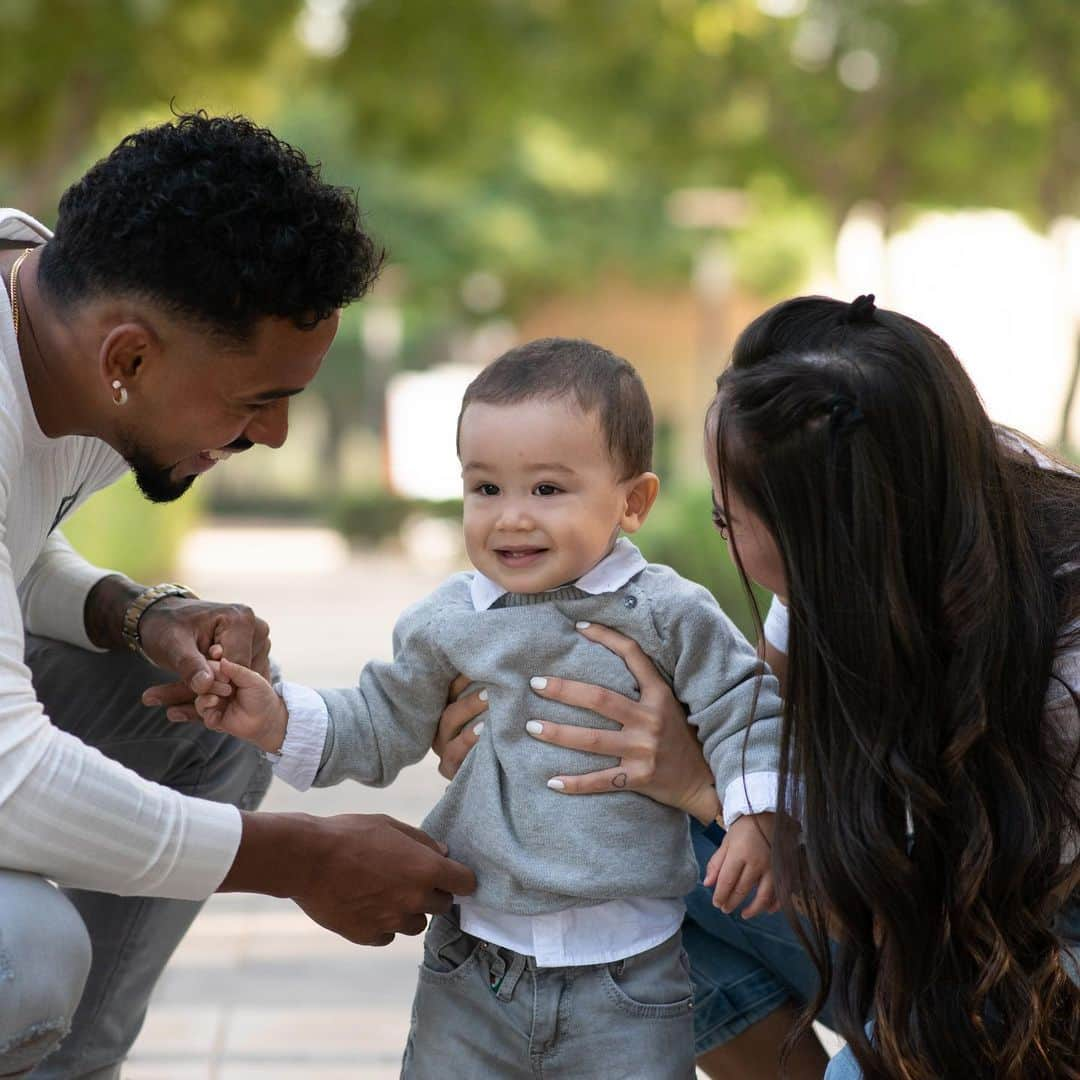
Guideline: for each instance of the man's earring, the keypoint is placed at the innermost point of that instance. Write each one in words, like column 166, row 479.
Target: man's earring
column 120, row 394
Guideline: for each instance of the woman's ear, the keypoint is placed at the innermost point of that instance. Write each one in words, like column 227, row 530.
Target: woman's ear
column 641, row 493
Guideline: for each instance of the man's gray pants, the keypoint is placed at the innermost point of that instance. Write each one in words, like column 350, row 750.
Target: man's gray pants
column 87, row 961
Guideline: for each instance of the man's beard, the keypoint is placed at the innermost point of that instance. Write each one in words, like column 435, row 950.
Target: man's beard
column 155, row 481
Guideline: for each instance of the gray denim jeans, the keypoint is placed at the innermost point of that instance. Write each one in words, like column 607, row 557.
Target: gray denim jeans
column 483, row 1010
column 77, row 968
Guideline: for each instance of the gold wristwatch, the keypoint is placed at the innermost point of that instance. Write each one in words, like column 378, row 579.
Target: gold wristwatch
column 138, row 607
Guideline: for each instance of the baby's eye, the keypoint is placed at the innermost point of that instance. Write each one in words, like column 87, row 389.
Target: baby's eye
column 487, row 489
column 546, row 489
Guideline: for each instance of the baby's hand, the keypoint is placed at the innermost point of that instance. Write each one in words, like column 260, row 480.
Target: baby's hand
column 252, row 712
column 742, row 861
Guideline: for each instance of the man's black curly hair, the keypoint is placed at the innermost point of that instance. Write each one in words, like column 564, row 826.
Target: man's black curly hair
column 218, row 220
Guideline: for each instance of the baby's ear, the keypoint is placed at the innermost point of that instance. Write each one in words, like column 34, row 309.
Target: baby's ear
column 641, row 493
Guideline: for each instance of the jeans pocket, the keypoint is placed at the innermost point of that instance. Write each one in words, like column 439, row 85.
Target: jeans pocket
column 655, row 983
column 449, row 952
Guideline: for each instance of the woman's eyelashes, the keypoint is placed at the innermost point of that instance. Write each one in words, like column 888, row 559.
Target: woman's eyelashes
column 720, row 521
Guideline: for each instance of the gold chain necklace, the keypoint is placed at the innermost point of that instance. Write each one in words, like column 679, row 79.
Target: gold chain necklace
column 15, row 290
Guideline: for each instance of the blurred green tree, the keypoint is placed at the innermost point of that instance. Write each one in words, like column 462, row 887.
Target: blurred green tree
column 541, row 140
column 545, row 135
column 74, row 76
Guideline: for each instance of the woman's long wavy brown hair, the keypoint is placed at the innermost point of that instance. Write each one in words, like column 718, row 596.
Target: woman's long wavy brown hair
column 931, row 569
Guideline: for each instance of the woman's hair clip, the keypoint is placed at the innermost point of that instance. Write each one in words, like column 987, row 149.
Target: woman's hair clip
column 861, row 309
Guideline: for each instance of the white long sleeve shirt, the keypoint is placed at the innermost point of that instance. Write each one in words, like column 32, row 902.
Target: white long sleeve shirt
column 66, row 811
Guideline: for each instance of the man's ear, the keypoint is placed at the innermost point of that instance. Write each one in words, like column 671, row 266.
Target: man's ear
column 124, row 351
column 641, row 493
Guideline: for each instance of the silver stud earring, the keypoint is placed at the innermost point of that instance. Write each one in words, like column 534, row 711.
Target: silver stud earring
column 120, row 394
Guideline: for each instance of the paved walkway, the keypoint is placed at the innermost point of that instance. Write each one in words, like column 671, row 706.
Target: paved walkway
column 256, row 991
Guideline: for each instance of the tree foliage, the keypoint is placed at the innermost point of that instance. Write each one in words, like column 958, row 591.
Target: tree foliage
column 75, row 76
column 543, row 137
column 541, row 140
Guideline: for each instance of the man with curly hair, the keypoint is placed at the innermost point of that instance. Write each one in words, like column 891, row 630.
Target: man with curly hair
column 190, row 289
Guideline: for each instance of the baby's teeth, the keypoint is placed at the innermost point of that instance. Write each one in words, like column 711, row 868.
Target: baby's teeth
column 218, row 455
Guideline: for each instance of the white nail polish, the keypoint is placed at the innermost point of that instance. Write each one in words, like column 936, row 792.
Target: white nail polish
column 583, row 625
column 534, row 727
column 556, row 785
column 477, row 728
column 538, row 682
column 483, row 695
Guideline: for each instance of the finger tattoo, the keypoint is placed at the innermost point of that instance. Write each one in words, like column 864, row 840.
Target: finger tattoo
column 619, row 780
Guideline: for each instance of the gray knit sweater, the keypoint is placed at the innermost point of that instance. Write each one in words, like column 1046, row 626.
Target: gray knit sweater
column 534, row 850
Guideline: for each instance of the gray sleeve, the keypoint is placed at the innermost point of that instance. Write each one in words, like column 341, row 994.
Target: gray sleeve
column 715, row 674
column 387, row 721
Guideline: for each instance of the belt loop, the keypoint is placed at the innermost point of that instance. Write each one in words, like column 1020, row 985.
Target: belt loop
column 505, row 989
column 496, row 965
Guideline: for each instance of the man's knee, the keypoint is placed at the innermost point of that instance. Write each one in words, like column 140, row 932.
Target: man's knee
column 44, row 961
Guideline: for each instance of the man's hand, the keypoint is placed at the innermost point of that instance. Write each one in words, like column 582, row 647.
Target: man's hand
column 178, row 635
column 743, row 861
column 364, row 876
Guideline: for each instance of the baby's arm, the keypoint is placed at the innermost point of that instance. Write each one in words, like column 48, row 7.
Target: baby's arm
column 736, row 708
column 733, row 700
column 367, row 732
column 741, row 863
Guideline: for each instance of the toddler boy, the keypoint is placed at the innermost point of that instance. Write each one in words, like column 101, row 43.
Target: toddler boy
column 567, row 961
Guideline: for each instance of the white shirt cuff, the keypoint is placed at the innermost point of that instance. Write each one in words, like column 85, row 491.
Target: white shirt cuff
column 752, row 793
column 776, row 626
column 211, row 839
column 305, row 736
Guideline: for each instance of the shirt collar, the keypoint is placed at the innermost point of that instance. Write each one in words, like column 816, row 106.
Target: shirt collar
column 610, row 573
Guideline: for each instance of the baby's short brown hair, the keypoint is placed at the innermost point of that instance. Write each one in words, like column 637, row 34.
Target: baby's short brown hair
column 597, row 380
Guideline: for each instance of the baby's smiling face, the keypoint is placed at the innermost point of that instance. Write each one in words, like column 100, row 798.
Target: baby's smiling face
column 543, row 502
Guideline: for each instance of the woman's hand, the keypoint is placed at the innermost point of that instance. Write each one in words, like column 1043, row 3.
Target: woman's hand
column 457, row 735
column 658, row 750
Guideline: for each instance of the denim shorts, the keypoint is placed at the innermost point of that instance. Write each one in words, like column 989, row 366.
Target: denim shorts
column 742, row 969
column 745, row 969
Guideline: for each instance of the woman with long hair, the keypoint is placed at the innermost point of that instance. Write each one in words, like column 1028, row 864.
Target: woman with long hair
column 929, row 565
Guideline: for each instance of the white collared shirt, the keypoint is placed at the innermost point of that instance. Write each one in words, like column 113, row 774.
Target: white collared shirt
column 610, row 573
